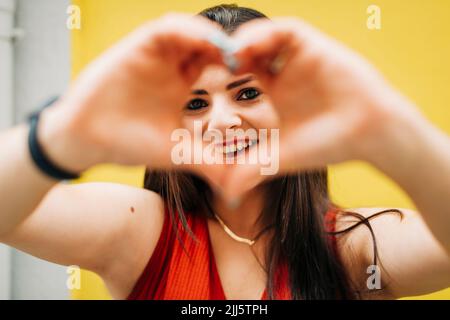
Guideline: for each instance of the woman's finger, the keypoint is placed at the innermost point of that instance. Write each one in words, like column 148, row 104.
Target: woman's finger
column 268, row 53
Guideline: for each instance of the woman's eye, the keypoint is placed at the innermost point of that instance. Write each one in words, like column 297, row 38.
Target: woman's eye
column 196, row 104
column 248, row 94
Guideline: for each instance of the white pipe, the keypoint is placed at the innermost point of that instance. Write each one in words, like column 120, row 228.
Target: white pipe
column 7, row 9
column 6, row 62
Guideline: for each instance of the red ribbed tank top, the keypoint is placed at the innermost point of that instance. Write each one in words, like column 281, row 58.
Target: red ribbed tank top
column 172, row 274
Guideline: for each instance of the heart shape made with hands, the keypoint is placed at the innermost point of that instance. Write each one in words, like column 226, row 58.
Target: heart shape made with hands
column 274, row 60
column 266, row 59
column 322, row 118
column 321, row 97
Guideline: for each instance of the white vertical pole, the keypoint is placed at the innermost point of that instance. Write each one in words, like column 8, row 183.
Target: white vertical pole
column 6, row 62
column 7, row 8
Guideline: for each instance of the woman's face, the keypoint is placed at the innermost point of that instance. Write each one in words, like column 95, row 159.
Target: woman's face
column 232, row 106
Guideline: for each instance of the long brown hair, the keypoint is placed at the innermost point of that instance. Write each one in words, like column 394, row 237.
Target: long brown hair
column 298, row 201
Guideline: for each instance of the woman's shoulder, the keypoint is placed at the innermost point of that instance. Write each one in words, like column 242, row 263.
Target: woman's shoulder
column 357, row 227
column 183, row 235
column 139, row 236
column 361, row 233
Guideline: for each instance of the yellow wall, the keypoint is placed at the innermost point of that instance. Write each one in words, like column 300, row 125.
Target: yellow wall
column 411, row 49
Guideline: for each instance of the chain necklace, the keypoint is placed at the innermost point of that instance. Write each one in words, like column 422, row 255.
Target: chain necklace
column 233, row 235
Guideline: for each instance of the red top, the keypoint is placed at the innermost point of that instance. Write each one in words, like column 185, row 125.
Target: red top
column 171, row 274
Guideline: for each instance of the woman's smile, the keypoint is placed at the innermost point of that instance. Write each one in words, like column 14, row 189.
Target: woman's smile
column 232, row 148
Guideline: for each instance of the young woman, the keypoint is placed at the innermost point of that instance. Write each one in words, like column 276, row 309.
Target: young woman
column 179, row 237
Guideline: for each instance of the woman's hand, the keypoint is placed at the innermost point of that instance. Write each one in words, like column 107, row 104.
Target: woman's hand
column 333, row 105
column 125, row 105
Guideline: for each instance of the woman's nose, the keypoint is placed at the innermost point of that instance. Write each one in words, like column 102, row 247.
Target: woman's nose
column 224, row 117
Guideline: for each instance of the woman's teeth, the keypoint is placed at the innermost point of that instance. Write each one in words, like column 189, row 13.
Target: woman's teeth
column 236, row 147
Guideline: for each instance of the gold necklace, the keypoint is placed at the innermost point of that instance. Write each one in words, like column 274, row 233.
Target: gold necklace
column 233, row 235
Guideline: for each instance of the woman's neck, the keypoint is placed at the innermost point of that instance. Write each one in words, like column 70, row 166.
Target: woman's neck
column 243, row 219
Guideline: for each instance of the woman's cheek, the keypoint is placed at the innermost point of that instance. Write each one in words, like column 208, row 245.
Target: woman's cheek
column 264, row 116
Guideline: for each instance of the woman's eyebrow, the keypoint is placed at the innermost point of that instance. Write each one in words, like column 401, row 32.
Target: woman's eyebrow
column 238, row 83
column 199, row 92
column 230, row 86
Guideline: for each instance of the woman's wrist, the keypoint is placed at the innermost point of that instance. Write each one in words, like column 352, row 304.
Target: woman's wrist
column 416, row 155
column 403, row 142
column 65, row 145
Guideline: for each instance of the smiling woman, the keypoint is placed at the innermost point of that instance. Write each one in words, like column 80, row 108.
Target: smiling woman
column 225, row 231
column 294, row 205
column 347, row 177
column 202, row 106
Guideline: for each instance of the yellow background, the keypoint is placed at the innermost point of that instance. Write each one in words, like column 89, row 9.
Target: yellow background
column 411, row 49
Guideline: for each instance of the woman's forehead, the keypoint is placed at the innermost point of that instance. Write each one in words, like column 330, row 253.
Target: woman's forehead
column 217, row 78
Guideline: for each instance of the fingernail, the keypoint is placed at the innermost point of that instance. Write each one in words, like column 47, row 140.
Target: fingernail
column 232, row 46
column 277, row 64
column 219, row 39
column 228, row 47
column 231, row 62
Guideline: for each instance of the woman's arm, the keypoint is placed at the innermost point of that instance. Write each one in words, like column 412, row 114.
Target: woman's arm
column 339, row 108
column 22, row 184
column 416, row 155
column 410, row 259
column 121, row 109
column 415, row 252
column 91, row 225
column 22, row 187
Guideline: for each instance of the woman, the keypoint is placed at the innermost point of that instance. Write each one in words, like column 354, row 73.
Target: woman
column 185, row 235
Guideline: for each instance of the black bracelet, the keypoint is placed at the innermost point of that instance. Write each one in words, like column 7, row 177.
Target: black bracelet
column 38, row 155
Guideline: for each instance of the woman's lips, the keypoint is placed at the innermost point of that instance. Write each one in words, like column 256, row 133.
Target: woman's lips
column 233, row 141
column 232, row 147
